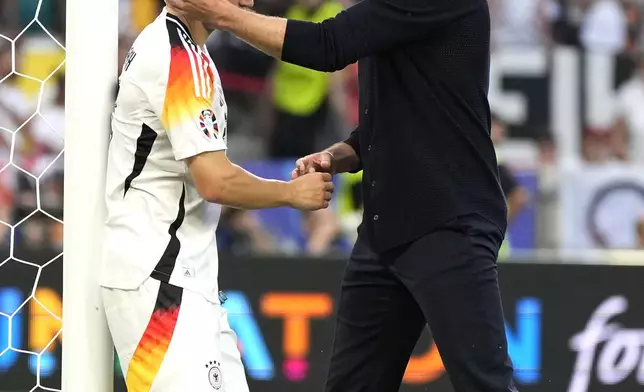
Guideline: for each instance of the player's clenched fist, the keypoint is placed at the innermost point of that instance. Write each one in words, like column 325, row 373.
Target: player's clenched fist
column 311, row 192
column 318, row 162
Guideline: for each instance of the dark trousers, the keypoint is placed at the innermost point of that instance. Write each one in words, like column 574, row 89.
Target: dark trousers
column 447, row 279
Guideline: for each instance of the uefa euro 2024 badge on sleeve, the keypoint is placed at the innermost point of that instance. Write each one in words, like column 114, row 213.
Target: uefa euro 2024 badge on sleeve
column 208, row 124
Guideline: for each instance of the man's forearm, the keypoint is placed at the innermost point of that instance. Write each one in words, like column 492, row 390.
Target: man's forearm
column 312, row 45
column 364, row 29
column 242, row 189
column 265, row 33
column 345, row 158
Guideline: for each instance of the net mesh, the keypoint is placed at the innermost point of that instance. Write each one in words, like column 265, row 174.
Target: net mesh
column 31, row 162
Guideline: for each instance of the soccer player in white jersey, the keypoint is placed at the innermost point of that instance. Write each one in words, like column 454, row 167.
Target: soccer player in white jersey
column 167, row 176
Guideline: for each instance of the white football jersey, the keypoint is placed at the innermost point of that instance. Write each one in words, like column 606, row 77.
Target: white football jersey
column 170, row 106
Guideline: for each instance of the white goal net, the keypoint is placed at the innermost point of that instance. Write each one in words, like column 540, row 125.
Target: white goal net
column 31, row 166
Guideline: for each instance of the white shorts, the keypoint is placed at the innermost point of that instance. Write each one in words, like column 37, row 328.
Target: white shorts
column 173, row 340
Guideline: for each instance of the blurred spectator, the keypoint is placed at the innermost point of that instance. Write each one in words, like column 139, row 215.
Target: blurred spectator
column 5, row 118
column 547, row 150
column 546, row 199
column 639, row 227
column 33, row 233
column 49, row 126
column 515, row 195
column 16, row 14
column 141, row 13
column 51, row 14
column 56, row 236
column 521, row 24
column 240, row 233
column 134, row 15
column 324, row 234
column 349, row 202
column 15, row 108
column 9, row 19
column 604, row 27
column 633, row 10
column 597, row 145
column 564, row 27
column 6, row 201
column 304, row 99
column 628, row 137
column 243, row 71
column 51, row 191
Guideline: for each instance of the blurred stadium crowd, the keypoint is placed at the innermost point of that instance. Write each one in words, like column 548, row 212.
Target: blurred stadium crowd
column 279, row 112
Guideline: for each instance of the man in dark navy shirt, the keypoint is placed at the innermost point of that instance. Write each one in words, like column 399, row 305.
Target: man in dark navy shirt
column 434, row 212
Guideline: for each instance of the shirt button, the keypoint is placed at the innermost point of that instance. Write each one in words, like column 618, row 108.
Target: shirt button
column 366, row 111
column 375, row 217
column 373, row 183
column 369, row 147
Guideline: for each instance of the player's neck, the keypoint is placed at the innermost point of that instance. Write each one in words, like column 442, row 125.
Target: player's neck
column 199, row 33
column 195, row 28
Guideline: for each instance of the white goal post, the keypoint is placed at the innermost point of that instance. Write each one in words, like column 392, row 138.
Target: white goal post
column 91, row 71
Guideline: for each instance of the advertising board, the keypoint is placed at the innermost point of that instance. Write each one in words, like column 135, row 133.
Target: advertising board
column 574, row 328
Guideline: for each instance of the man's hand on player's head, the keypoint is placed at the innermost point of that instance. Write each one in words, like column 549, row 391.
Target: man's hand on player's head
column 209, row 11
column 235, row 16
column 321, row 162
column 311, row 192
column 194, row 9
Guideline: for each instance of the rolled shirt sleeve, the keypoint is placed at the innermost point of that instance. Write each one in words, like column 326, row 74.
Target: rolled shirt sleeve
column 354, row 141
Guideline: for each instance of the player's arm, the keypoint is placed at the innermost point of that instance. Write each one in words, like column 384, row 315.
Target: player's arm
column 184, row 104
column 366, row 28
column 220, row 181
